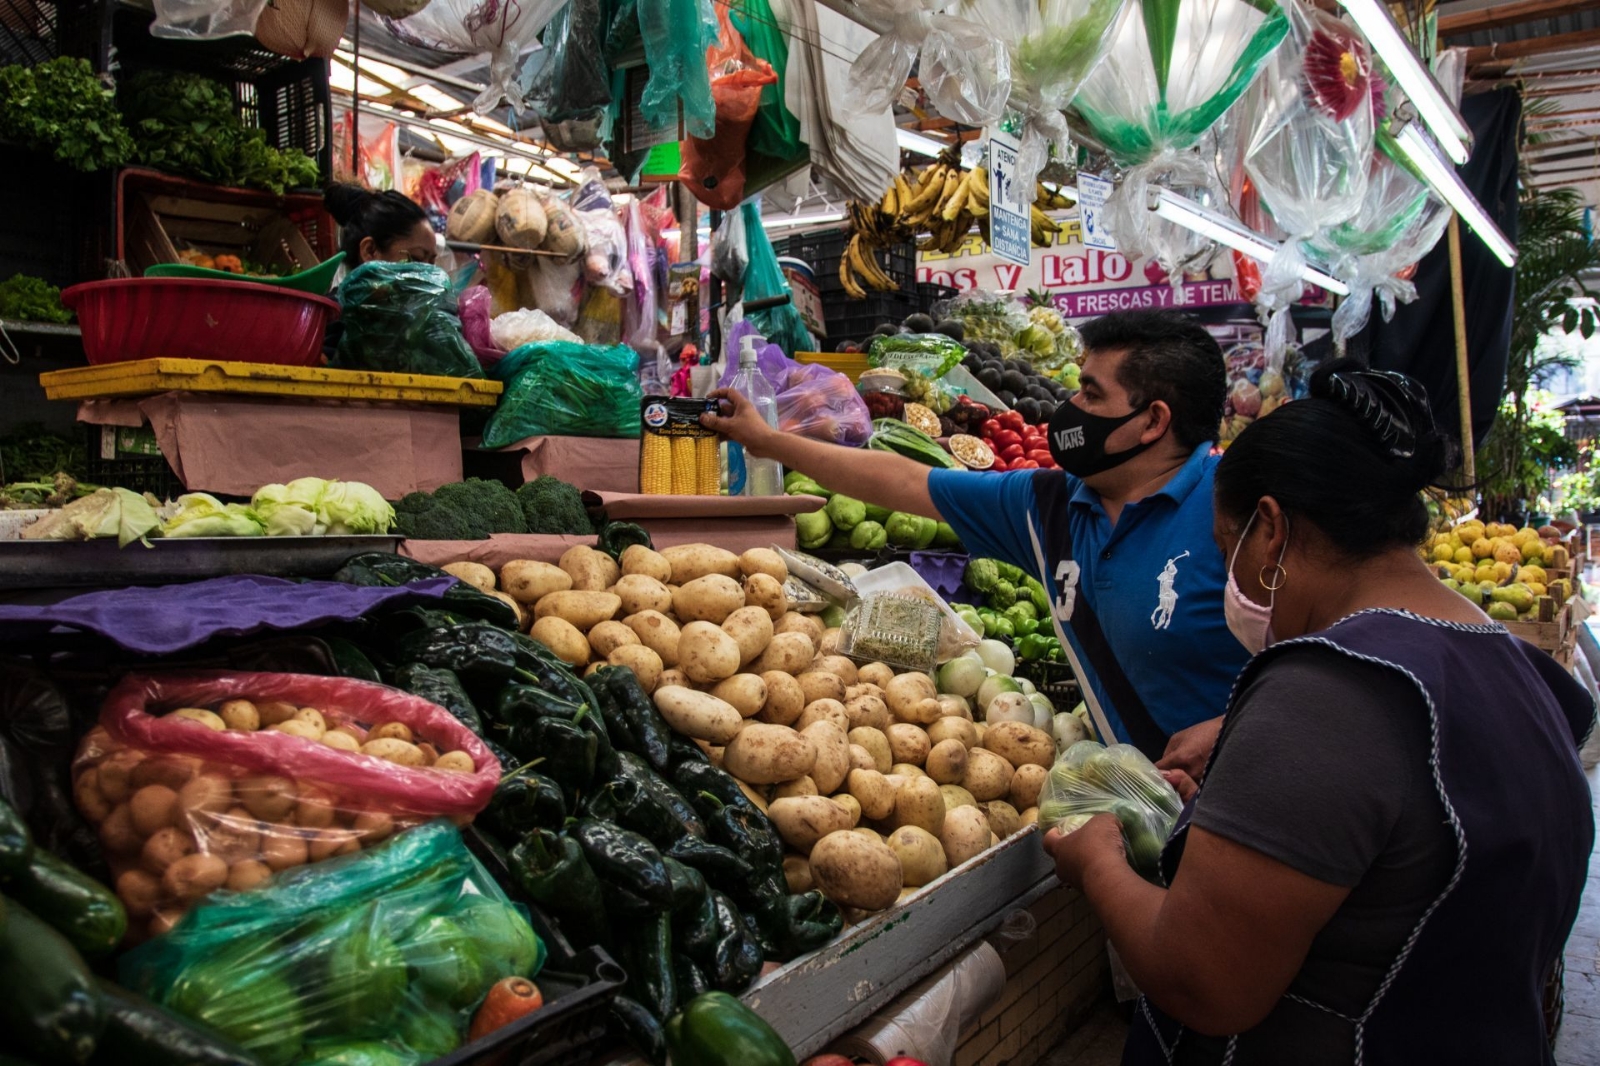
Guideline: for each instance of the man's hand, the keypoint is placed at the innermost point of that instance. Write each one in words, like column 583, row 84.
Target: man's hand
column 1097, row 840
column 742, row 424
column 1190, row 749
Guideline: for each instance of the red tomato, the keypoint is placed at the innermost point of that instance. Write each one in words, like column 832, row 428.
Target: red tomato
column 991, row 427
column 905, row 1060
column 999, row 464
column 1026, row 464
column 1011, row 453
column 1012, row 420
column 1006, row 438
column 1039, row 455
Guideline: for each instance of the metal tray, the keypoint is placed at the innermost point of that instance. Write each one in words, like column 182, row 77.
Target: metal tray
column 33, row 564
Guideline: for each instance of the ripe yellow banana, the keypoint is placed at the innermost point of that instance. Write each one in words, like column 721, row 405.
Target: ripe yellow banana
column 852, row 288
column 957, row 200
column 891, row 201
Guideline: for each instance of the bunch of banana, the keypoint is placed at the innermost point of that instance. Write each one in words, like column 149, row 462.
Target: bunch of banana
column 859, row 265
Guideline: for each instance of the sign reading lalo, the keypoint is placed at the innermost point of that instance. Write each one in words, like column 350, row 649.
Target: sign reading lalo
column 1084, row 282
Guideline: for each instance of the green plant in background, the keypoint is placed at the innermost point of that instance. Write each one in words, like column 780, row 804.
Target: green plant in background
column 24, row 298
column 1554, row 253
column 60, row 107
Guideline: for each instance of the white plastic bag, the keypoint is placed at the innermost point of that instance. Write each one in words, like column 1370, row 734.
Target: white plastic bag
column 205, row 19
column 1091, row 779
column 469, row 27
column 515, row 328
column 965, row 69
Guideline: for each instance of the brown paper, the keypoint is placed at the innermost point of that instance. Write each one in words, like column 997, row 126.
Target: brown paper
column 736, row 535
column 598, row 464
column 234, row 446
column 714, row 509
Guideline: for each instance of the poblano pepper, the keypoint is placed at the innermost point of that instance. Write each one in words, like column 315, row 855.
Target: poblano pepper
column 518, row 705
column 567, row 748
column 647, row 955
column 715, row 1029
column 617, row 537
column 680, row 749
column 625, row 859
column 709, row 788
column 619, row 688
column 737, row 958
column 441, row 686
column 474, row 649
column 552, row 870
column 634, row 768
column 719, row 865
column 695, row 932
column 643, row 1030
column 692, row 980
column 688, row 885
column 525, row 800
column 630, row 805
column 351, row 660
column 747, row 832
column 382, row 569
column 794, row 925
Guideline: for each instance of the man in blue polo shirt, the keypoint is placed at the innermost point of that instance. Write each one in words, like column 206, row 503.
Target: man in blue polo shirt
column 1121, row 539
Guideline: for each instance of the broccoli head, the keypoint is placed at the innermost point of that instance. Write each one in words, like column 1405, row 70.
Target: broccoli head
column 421, row 517
column 486, row 503
column 550, row 505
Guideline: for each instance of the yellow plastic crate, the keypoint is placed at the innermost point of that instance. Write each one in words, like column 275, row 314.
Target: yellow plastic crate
column 146, row 377
column 851, row 364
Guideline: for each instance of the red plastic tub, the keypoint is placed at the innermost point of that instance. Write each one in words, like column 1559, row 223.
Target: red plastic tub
column 190, row 318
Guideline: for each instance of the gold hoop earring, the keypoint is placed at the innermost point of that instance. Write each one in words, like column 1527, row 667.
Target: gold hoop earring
column 1280, row 575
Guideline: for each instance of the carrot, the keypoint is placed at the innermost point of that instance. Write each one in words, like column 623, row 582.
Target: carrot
column 507, row 1001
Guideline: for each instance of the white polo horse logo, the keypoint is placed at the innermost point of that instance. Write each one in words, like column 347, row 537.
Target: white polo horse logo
column 1166, row 594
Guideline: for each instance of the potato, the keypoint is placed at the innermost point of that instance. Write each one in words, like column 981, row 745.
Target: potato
column 1030, row 816
column 174, row 771
column 298, row 727
column 645, row 562
column 456, row 762
column 247, row 874
column 764, row 561
column 763, row 754
column 206, row 794
column 876, row 744
column 430, row 754
column 979, row 728
column 797, row 874
column 114, row 775
column 1003, row 818
column 281, row 851
column 92, row 804
column 340, row 740
column 988, row 776
column 854, row 870
column 766, row 592
column 373, row 826
column 920, row 853
column 352, row 730
column 524, row 619
column 564, row 639
column 851, row 806
column 706, row 654
column 839, row 667
column 707, row 599
column 394, row 730
column 964, row 835
column 240, row 714
column 947, row 762
column 672, row 678
column 956, row 796
column 590, row 570
column 830, row 642
column 166, row 846
column 117, row 833
column 658, row 633
column 645, row 664
column 475, row 574
column 745, row 693
column 821, row 685
column 1025, row 785
column 868, row 832
column 873, row 791
column 699, row 715
column 315, row 810
column 640, row 592
column 905, row 769
column 803, row 820
column 824, row 711
column 199, row 716
column 690, row 562
column 266, row 797
column 800, row 786
column 833, row 756
column 907, row 696
column 919, row 802
column 527, row 581
column 607, row 637
column 583, row 609
column 194, row 876
column 867, row 712
column 879, row 674
column 908, row 743
column 785, row 700
column 808, row 626
column 789, row 652
column 139, row 891
column 862, row 688
column 861, row 758
column 396, row 751
column 330, row 843
column 235, row 835
column 152, row 807
column 952, row 728
column 1020, row 744
column 751, row 629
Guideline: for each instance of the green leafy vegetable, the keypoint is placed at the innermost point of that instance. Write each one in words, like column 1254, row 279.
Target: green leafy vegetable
column 60, row 107
column 25, row 298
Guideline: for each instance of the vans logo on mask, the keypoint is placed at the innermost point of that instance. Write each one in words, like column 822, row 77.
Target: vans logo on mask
column 1071, row 437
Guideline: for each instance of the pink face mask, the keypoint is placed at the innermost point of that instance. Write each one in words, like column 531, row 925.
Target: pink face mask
column 1249, row 621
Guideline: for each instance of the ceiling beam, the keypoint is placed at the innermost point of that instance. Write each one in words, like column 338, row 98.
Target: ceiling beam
column 1493, row 18
column 1510, row 51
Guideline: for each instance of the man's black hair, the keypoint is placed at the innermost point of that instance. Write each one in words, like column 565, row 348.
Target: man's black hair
column 1169, row 357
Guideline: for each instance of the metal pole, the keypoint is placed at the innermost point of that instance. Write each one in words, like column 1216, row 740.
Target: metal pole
column 355, row 103
column 1469, row 462
column 689, row 252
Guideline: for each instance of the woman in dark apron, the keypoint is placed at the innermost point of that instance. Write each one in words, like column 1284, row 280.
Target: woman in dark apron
column 1392, row 838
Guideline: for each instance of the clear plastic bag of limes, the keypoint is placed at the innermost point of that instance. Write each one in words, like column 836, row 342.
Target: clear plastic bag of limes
column 1090, row 778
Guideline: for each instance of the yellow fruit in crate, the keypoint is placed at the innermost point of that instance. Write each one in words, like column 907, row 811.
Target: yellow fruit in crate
column 1533, row 551
column 1465, row 574
column 1444, row 553
column 1519, row 596
column 1502, row 612
column 1532, row 574
column 1507, row 552
column 1482, row 548
column 1470, row 531
column 1502, row 572
column 1537, row 589
column 1464, row 555
column 1527, row 531
column 1440, row 540
column 1561, row 587
column 1487, row 588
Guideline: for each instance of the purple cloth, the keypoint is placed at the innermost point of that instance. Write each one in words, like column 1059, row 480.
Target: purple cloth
column 170, row 618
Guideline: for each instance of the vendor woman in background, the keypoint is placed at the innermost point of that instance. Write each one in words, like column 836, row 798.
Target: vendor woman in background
column 1392, row 837
column 379, row 226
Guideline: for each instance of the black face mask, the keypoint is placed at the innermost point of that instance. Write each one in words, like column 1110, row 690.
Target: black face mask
column 1078, row 440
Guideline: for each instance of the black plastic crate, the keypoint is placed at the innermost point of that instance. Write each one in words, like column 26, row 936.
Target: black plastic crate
column 853, row 320
column 930, row 293
column 33, row 31
column 824, row 248
column 112, row 463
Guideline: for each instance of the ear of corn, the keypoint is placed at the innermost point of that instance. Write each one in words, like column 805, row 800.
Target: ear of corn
column 685, row 481
column 708, row 471
column 655, row 464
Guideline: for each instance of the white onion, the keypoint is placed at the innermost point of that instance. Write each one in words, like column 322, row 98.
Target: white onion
column 1043, row 710
column 1068, row 729
column 1010, row 707
column 993, row 686
column 997, row 657
column 961, row 676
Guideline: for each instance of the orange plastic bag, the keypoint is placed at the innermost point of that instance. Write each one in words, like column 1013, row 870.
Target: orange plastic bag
column 714, row 169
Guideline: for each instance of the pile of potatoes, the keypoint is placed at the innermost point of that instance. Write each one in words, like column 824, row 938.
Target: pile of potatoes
column 877, row 784
column 177, row 827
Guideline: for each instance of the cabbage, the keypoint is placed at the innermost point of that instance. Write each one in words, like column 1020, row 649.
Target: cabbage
column 202, row 515
column 118, row 513
column 351, row 507
column 290, row 510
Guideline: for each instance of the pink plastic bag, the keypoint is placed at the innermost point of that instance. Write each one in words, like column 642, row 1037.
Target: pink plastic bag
column 475, row 306
column 183, row 808
column 813, row 400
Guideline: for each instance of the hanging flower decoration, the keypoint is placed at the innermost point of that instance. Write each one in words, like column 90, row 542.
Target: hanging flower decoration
column 1338, row 71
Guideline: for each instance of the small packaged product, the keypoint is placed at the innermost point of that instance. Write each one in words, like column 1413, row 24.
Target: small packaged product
column 888, row 627
column 677, row 455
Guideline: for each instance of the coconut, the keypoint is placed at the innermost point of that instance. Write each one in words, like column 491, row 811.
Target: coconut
column 562, row 234
column 472, row 217
column 520, row 221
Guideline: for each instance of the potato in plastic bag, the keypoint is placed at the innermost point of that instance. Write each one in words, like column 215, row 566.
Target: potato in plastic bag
column 1090, row 779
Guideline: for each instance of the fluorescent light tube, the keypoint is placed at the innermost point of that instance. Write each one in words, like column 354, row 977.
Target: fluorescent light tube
column 921, row 143
column 803, row 220
column 1383, row 34
column 1423, row 153
column 1182, row 211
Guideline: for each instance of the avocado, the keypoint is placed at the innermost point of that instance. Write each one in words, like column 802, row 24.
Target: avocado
column 1029, row 409
column 887, row 329
column 1024, row 367
column 1014, row 381
column 1005, row 397
column 989, row 378
column 1039, row 392
column 953, row 328
column 919, row 323
column 1047, row 410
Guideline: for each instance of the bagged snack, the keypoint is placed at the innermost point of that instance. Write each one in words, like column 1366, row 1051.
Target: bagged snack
column 677, row 455
column 955, row 636
column 1092, row 779
column 202, row 781
column 379, row 957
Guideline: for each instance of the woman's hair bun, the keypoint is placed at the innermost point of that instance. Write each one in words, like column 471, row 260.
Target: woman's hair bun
column 1393, row 407
column 345, row 201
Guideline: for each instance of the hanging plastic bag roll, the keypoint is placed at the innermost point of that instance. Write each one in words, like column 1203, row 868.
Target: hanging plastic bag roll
column 926, row 1022
column 782, row 323
column 964, row 68
column 713, row 168
column 676, row 35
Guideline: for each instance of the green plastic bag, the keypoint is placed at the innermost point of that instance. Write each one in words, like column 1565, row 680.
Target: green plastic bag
column 776, row 132
column 676, row 35
column 565, row 389
column 401, row 317
column 379, row 956
column 781, row 325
